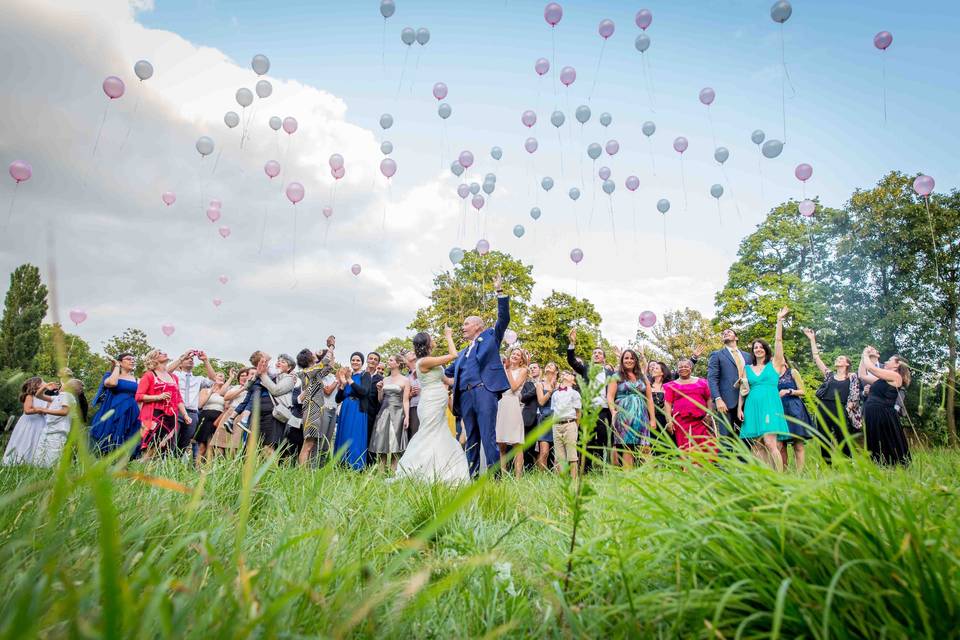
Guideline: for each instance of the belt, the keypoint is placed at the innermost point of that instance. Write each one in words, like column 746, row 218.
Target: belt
column 470, row 387
column 573, row 420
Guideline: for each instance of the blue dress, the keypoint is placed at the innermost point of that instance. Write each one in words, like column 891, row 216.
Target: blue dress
column 794, row 410
column 352, row 428
column 633, row 418
column 118, row 418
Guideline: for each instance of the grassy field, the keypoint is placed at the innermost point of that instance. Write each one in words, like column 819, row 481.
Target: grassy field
column 670, row 550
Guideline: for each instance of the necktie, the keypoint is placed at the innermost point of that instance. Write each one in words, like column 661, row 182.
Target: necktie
column 186, row 394
column 470, row 349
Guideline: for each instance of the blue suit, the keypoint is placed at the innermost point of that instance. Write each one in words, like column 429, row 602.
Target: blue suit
column 722, row 374
column 478, row 382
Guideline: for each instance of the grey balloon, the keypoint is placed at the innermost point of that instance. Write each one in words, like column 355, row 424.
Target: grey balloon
column 204, row 145
column 386, row 121
column 244, row 97
column 456, row 255
column 456, row 168
column 642, row 43
column 781, row 11
column 489, row 187
column 663, row 205
column 594, row 150
column 276, row 123
column 535, row 213
column 474, row 188
column 423, row 36
column 387, row 9
column 264, row 89
column 547, row 183
column 260, row 64
column 648, row 128
column 490, row 178
column 557, row 119
column 231, row 119
column 609, row 186
column 606, row 119
column 444, row 110
column 574, row 194
column 721, row 154
column 408, row 36
column 772, row 148
column 716, row 190
column 519, row 231
column 386, row 147
column 496, row 153
column 583, row 114
column 143, row 69
column 758, row 136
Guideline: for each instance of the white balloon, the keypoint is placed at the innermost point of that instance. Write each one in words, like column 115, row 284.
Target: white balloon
column 143, row 69
column 276, row 123
column 244, row 97
column 260, row 64
column 205, row 145
column 264, row 89
column 231, row 119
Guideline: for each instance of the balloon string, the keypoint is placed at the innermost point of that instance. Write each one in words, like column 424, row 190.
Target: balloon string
column 96, row 142
column 648, row 80
column 933, row 237
column 560, row 141
column 70, row 350
column 596, row 74
column 760, row 171
column 719, row 213
column 216, row 162
column 883, row 84
column 416, row 67
column 683, row 183
column 383, row 49
column 634, row 208
column 613, row 223
column 593, row 197
column 666, row 262
column 712, row 131
column 726, row 179
column 403, row 71
column 136, row 106
column 246, row 127
column 263, row 231
column 653, row 162
column 553, row 62
column 294, row 242
column 13, row 198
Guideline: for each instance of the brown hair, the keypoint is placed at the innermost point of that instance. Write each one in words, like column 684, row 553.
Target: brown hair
column 255, row 357
column 904, row 370
column 30, row 387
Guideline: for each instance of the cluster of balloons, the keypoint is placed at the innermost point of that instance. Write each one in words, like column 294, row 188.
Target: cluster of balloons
column 421, row 36
column 643, row 19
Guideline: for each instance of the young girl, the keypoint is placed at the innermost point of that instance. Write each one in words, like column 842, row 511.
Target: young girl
column 57, row 426
column 23, row 442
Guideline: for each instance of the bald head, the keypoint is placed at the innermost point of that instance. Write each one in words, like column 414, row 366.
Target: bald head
column 472, row 326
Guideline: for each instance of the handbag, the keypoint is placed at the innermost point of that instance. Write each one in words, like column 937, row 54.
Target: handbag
column 284, row 414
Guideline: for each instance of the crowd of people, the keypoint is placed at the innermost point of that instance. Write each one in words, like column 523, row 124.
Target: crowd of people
column 447, row 417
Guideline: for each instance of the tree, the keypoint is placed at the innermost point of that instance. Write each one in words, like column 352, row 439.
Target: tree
column 545, row 333
column 24, row 309
column 468, row 290
column 396, row 346
column 130, row 341
column 86, row 366
column 680, row 332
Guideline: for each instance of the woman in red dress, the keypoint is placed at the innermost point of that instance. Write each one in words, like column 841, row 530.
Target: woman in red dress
column 159, row 395
column 687, row 404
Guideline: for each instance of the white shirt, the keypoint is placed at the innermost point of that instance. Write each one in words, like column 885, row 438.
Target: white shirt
column 565, row 403
column 190, row 386
column 329, row 399
column 59, row 424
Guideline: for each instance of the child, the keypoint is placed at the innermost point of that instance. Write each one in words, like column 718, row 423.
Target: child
column 57, row 427
column 566, row 406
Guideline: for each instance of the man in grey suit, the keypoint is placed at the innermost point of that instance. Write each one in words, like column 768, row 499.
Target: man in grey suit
column 724, row 369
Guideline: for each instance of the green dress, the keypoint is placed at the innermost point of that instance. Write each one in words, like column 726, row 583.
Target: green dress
column 762, row 409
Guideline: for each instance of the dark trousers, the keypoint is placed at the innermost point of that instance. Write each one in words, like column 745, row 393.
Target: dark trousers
column 478, row 408
column 414, row 425
column 185, row 432
column 599, row 441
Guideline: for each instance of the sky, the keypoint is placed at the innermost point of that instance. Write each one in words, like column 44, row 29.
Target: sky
column 93, row 208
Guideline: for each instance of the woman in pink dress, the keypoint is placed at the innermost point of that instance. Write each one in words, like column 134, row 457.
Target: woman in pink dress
column 687, row 404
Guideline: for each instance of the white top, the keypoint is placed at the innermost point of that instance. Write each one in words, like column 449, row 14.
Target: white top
column 329, row 399
column 565, row 402
column 414, row 384
column 190, row 386
column 59, row 424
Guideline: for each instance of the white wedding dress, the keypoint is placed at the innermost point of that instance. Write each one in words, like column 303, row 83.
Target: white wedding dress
column 433, row 454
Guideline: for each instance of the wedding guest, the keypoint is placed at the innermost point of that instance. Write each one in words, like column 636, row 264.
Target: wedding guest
column 600, row 439
column 658, row 375
column 838, row 411
column 354, row 387
column 118, row 418
column 545, row 389
column 687, row 404
column 630, row 399
column 371, row 405
column 881, row 422
column 57, row 420
column 509, row 427
column 389, row 430
column 23, row 442
column 212, row 405
column 566, row 405
column 158, row 393
column 410, row 359
column 228, row 438
column 761, row 410
column 318, row 382
column 263, row 394
column 190, row 386
column 796, row 414
column 529, row 407
column 726, row 373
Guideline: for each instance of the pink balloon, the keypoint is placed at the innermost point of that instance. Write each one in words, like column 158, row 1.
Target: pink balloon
column 465, row 159
column 213, row 214
column 483, row 247
column 272, row 168
column 440, row 91
column 807, row 207
column 113, row 87
column 20, row 171
column 576, row 255
column 78, row 316
column 632, row 183
column 612, row 147
column 924, row 185
column 215, row 204
column 463, row 190
column 567, row 76
column 604, row 173
column 295, row 192
column 355, row 269
column 883, row 40
column 477, row 202
column 217, row 302
column 168, row 329
column 803, row 172
column 528, row 118
column 327, row 212
column 707, row 96
column 224, row 232
column 338, row 173
column 541, row 66
column 289, row 125
column 680, row 144
column 168, row 197
column 388, row 167
column 510, row 336
column 648, row 319
column 606, row 28
column 552, row 13
column 530, row 145
column 336, row 161
column 223, row 279
column 644, row 18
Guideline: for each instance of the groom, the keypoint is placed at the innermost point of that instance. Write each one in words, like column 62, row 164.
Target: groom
column 479, row 380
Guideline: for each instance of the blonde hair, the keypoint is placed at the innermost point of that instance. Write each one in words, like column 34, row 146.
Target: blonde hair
column 524, row 359
column 150, row 360
column 904, row 370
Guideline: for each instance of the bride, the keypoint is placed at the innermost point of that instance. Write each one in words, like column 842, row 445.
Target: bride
column 433, row 453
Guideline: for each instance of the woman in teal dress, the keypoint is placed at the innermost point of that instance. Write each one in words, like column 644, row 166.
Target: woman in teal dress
column 761, row 410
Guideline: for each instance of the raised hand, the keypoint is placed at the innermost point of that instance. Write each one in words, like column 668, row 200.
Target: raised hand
column 498, row 283
column 573, row 336
column 809, row 333
column 448, row 333
column 698, row 350
column 783, row 313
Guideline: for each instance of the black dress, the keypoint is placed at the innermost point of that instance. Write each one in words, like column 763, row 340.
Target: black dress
column 881, row 424
column 831, row 419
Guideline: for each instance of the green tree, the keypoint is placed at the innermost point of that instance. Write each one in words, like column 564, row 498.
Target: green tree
column 396, row 346
column 679, row 333
column 24, row 309
column 545, row 333
column 130, row 341
column 468, row 290
column 86, row 366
